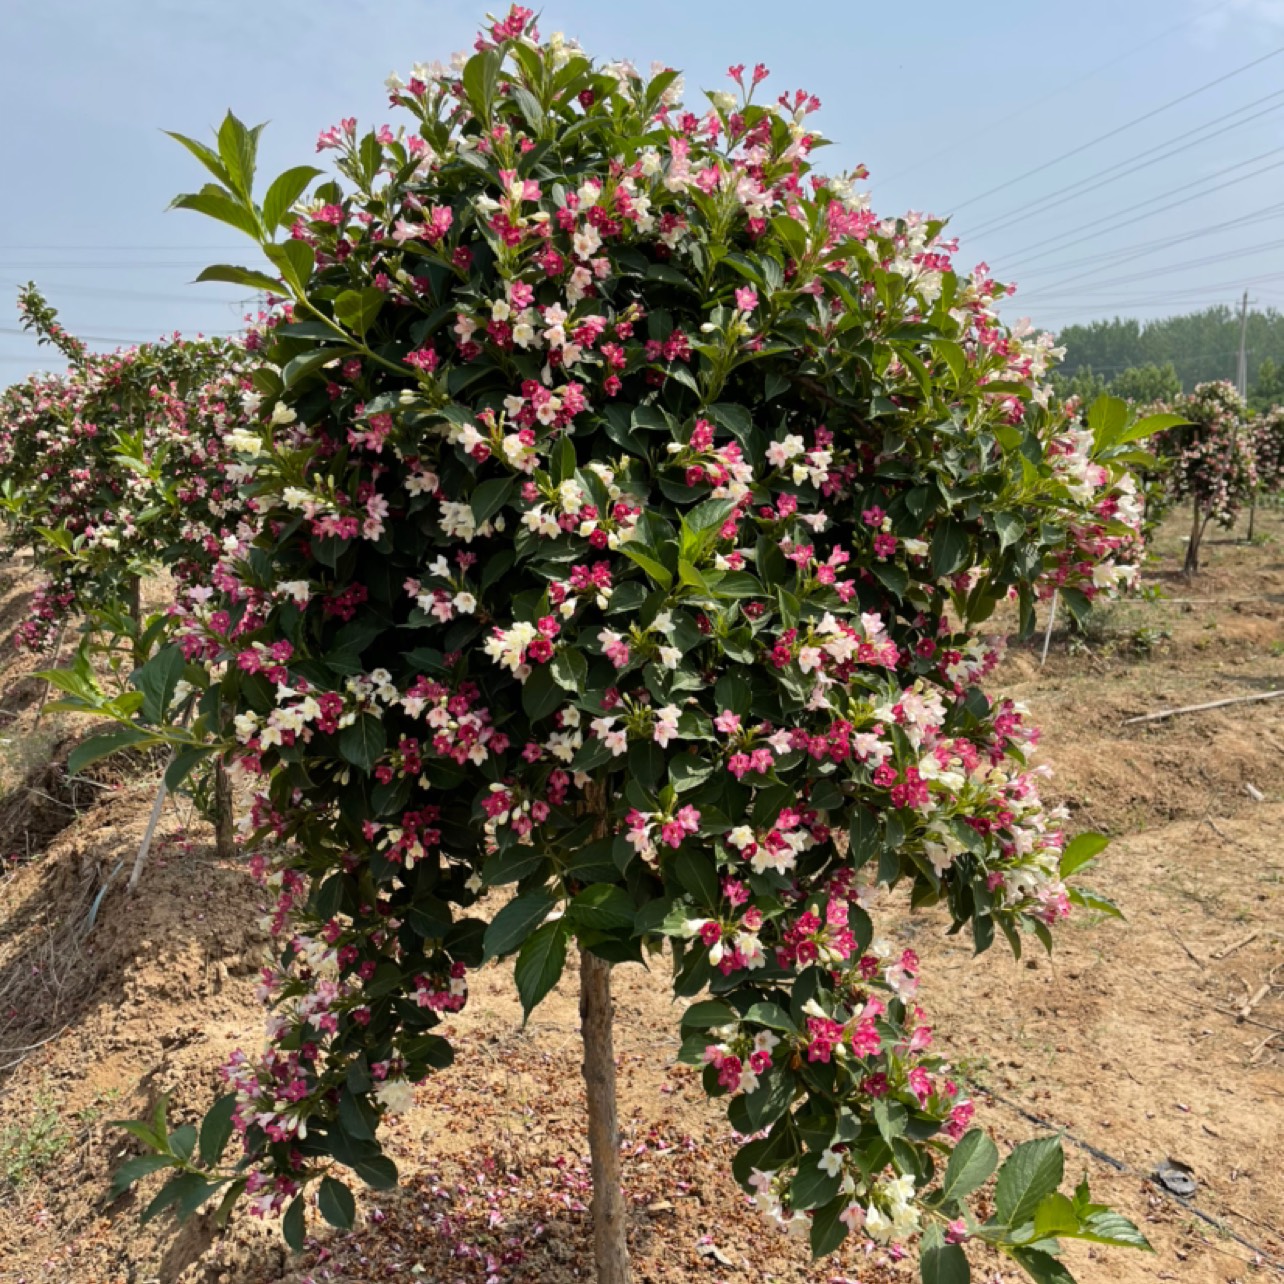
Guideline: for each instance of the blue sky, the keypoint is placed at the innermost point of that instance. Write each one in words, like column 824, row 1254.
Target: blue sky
column 943, row 101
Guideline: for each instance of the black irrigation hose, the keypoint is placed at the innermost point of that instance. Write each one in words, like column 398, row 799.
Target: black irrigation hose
column 1119, row 1165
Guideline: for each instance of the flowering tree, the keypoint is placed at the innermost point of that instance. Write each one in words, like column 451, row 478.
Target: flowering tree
column 1268, row 457
column 116, row 467
column 109, row 472
column 1212, row 461
column 627, row 502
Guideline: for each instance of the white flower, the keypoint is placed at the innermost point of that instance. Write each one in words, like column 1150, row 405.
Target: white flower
column 666, row 724
column 831, row 1162
column 396, row 1095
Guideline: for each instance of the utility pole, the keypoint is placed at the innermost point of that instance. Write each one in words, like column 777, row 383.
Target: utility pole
column 1241, row 381
column 1241, row 374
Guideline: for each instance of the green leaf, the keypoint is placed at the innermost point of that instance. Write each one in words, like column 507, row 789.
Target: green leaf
column 357, row 309
column 182, row 1141
column 362, row 743
column 356, row 1117
column 708, row 1014
column 540, row 964
column 140, row 1166
column 570, row 670
column 1080, row 850
column 1107, row 418
column 603, row 906
column 770, row 1099
column 948, row 548
column 241, row 276
column 1109, row 1227
column 865, row 835
column 216, row 1128
column 157, row 680
column 184, row 762
column 891, row 1118
column 286, row 188
column 970, row 1165
column 292, row 1225
column 945, row 1264
column 514, row 923
column 828, row 1230
column 655, row 569
column 306, row 363
column 336, row 1203
column 1094, row 901
column 220, row 206
column 1032, row 1171
column 812, row 1186
column 101, row 746
column 697, row 875
column 377, row 1171
column 953, row 356
column 1042, row 1267
column 237, row 147
column 489, row 497
column 1148, row 427
column 771, row 1015
column 206, row 155
column 1010, row 528
column 688, row 771
column 541, row 694
column 294, row 259
column 1055, row 1216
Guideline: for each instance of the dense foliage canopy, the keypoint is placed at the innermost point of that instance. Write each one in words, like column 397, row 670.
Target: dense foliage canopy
column 624, row 503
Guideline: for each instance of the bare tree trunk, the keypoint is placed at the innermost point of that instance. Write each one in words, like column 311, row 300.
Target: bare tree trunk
column 224, row 825
column 134, row 591
column 610, row 1221
column 1252, row 515
column 1196, row 535
column 134, row 600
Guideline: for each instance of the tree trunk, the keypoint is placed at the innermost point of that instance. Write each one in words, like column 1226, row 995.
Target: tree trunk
column 1252, row 515
column 1196, row 534
column 134, row 600
column 224, row 827
column 610, row 1221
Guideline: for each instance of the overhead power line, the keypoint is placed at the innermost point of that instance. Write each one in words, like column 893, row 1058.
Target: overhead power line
column 1054, row 287
column 153, row 266
column 1138, row 249
column 1187, row 195
column 1119, row 129
column 1193, row 294
column 133, row 249
column 115, row 338
column 1126, row 168
column 1024, row 109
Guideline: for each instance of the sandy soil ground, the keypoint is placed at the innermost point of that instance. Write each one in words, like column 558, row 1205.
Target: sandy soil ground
column 1161, row 1037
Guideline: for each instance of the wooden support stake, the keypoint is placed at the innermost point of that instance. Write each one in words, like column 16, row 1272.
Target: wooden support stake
column 1199, row 708
column 1047, row 635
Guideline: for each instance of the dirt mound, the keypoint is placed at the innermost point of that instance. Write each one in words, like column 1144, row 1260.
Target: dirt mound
column 114, row 998
column 1154, row 1038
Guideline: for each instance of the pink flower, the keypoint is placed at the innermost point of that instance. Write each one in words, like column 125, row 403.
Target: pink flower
column 746, row 299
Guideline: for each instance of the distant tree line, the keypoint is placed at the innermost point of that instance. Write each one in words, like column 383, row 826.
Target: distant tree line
column 1159, row 360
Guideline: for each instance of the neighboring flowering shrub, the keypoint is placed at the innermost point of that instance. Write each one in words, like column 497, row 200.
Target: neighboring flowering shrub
column 1212, row 460
column 627, row 502
column 1268, row 450
column 119, row 465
